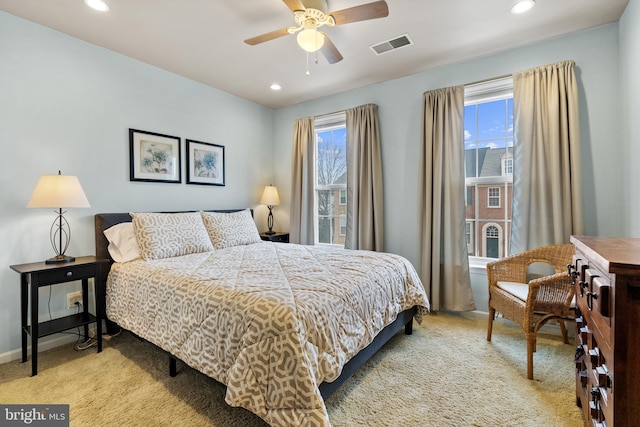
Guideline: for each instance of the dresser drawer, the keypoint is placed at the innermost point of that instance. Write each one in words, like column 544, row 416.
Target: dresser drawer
column 599, row 298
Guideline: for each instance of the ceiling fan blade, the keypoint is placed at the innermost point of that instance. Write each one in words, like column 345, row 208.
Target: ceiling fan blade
column 294, row 5
column 377, row 9
column 267, row 36
column 330, row 51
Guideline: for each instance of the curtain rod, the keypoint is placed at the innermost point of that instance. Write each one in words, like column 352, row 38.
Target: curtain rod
column 331, row 114
column 504, row 76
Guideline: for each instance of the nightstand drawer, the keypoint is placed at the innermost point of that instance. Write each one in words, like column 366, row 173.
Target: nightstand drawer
column 275, row 237
column 61, row 274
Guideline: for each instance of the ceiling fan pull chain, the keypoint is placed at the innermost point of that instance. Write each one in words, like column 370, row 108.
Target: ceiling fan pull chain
column 307, row 73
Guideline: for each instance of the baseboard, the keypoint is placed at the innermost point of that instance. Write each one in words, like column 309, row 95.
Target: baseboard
column 44, row 344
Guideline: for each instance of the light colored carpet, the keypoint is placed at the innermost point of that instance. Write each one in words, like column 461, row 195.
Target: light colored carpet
column 445, row 374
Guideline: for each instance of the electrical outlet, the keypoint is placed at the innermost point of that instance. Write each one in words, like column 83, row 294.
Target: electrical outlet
column 73, row 298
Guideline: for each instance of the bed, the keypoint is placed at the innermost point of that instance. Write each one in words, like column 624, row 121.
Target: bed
column 281, row 325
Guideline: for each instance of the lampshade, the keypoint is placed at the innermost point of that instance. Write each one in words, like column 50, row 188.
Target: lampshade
column 58, row 191
column 270, row 196
column 310, row 39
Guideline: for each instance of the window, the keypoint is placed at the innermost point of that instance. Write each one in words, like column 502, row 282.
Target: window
column 494, row 197
column 507, row 166
column 343, row 225
column 469, row 235
column 488, row 145
column 330, row 179
column 343, row 197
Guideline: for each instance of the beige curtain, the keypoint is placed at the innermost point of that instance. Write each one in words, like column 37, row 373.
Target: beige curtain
column 301, row 213
column 547, row 190
column 364, row 180
column 444, row 263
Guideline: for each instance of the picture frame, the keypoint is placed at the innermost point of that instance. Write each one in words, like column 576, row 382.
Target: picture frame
column 154, row 157
column 205, row 163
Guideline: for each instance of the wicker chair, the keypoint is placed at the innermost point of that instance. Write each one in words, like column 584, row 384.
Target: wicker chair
column 531, row 304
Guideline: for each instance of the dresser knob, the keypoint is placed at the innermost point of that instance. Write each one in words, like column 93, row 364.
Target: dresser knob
column 590, row 297
column 572, row 273
column 583, row 286
column 69, row 273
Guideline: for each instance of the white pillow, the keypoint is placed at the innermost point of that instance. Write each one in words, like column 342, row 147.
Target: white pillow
column 123, row 246
column 165, row 235
column 231, row 229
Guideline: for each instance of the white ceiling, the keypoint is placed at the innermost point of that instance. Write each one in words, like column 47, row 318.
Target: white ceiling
column 203, row 39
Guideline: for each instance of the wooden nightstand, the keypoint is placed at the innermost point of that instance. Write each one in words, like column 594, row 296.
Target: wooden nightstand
column 278, row 236
column 37, row 274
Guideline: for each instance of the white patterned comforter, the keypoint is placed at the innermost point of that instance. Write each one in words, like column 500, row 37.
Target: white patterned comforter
column 270, row 320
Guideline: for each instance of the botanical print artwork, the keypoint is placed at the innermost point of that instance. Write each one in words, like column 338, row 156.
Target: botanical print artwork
column 156, row 157
column 206, row 164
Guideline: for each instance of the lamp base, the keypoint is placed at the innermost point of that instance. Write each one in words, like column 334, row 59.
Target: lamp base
column 58, row 259
column 269, row 233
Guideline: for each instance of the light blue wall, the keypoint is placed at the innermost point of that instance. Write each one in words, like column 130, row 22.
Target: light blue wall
column 67, row 105
column 630, row 99
column 400, row 104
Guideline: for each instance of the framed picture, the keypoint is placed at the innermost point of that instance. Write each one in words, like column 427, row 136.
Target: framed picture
column 205, row 163
column 154, row 157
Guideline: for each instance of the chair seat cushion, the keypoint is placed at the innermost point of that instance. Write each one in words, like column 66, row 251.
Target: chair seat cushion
column 519, row 290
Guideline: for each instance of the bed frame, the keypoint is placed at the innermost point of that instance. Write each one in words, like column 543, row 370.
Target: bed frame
column 404, row 319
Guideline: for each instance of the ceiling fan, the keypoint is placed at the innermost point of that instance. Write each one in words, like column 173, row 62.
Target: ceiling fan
column 311, row 15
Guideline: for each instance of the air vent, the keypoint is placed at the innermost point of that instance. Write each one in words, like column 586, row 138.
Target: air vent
column 393, row 44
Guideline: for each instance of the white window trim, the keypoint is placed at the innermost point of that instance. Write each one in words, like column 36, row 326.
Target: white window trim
column 478, row 264
column 505, row 166
column 487, row 91
column 320, row 124
column 490, row 197
column 470, row 243
column 340, row 225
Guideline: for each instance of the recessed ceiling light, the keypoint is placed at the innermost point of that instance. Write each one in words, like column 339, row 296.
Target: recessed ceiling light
column 522, row 6
column 98, row 5
column 275, row 86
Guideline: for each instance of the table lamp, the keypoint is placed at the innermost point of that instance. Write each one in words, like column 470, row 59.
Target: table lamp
column 270, row 198
column 58, row 192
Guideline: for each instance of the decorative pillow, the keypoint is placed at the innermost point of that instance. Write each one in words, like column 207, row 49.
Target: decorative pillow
column 123, row 246
column 165, row 235
column 231, row 229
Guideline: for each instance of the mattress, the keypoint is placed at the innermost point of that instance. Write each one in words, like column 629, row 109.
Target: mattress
column 271, row 321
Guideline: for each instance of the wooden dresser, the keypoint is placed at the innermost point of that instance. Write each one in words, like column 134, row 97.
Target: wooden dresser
column 606, row 274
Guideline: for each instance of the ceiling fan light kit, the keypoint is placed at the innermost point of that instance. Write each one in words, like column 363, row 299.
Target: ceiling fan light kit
column 310, row 40
column 311, row 15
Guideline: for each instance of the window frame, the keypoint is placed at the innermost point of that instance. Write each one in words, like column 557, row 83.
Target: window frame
column 322, row 124
column 483, row 92
column 494, row 197
column 343, row 203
